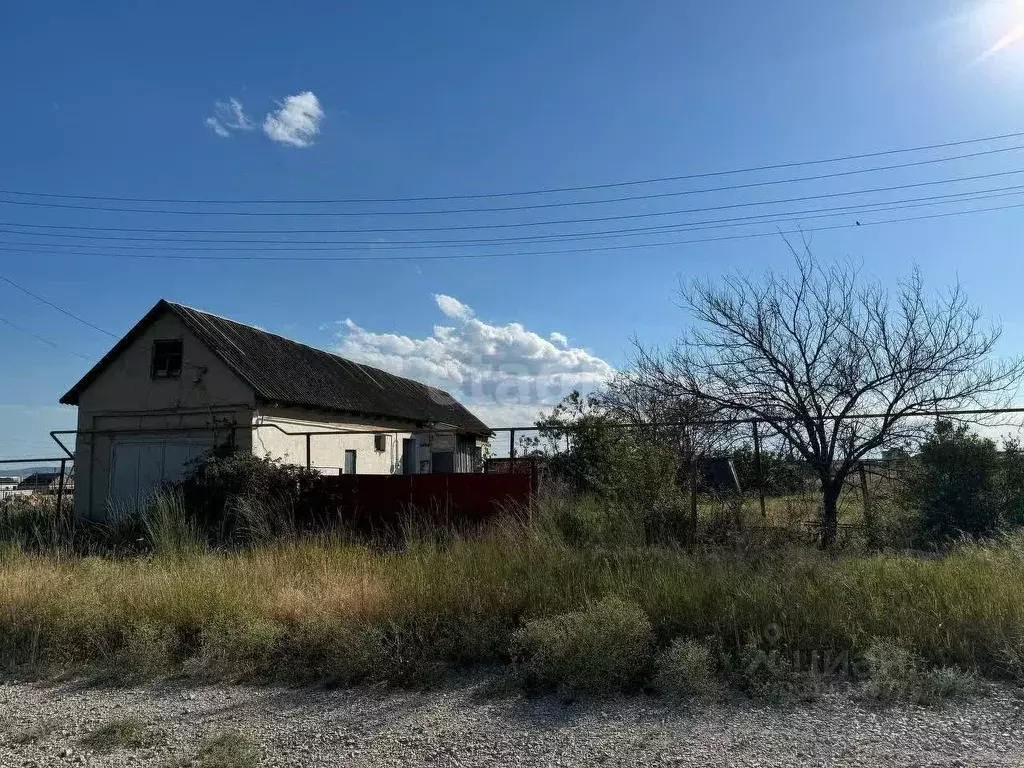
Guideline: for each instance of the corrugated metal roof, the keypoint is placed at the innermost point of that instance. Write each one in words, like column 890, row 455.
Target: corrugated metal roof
column 284, row 371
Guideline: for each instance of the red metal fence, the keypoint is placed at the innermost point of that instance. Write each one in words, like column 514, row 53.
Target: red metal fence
column 385, row 501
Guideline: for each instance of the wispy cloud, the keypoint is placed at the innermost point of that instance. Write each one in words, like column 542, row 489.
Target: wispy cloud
column 228, row 116
column 1012, row 37
column 296, row 121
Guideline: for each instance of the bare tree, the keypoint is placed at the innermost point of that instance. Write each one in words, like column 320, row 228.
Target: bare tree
column 810, row 354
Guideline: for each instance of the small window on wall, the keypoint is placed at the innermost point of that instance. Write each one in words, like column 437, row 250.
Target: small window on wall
column 380, row 443
column 350, row 462
column 166, row 359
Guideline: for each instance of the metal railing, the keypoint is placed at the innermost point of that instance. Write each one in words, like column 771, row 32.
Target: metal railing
column 509, row 442
column 62, row 483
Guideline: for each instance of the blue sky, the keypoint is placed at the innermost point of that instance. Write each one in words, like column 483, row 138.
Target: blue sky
column 456, row 98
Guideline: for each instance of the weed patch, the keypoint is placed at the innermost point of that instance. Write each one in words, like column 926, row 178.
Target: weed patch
column 600, row 649
column 31, row 734
column 228, row 749
column 687, row 668
column 124, row 733
column 895, row 673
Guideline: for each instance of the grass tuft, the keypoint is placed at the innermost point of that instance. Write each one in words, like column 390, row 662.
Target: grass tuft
column 31, row 734
column 228, row 749
column 130, row 732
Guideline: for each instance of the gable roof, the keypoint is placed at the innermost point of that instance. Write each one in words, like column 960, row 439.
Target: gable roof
column 289, row 373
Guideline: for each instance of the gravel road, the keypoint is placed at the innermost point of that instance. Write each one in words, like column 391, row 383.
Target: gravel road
column 45, row 726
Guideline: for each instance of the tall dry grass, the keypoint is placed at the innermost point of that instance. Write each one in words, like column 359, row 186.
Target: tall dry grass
column 330, row 610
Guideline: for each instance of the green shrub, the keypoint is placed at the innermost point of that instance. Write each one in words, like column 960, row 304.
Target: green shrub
column 955, row 485
column 765, row 673
column 601, row 649
column 632, row 477
column 687, row 668
column 219, row 480
column 895, row 673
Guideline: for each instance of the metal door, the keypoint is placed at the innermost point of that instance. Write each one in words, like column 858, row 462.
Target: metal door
column 409, row 456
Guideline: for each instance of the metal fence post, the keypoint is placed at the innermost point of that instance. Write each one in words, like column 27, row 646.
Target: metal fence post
column 758, row 471
column 693, row 499
column 309, row 439
column 511, row 443
column 60, row 485
column 869, row 513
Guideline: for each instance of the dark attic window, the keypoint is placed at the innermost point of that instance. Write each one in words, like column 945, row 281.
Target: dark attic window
column 166, row 359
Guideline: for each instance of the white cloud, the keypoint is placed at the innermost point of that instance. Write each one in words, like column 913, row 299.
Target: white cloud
column 228, row 116
column 558, row 338
column 452, row 307
column 296, row 121
column 506, row 374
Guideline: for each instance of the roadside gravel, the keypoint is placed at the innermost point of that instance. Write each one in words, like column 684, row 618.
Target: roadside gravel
column 44, row 725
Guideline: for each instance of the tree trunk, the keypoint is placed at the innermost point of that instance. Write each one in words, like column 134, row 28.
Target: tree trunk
column 829, row 513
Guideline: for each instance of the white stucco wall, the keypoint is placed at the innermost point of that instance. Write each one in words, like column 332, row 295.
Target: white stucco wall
column 327, row 452
column 125, row 399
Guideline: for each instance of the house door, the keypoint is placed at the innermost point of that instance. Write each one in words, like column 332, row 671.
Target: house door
column 408, row 456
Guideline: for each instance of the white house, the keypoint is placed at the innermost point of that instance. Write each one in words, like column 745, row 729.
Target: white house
column 182, row 381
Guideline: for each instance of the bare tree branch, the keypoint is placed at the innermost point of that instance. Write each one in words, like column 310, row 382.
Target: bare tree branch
column 805, row 353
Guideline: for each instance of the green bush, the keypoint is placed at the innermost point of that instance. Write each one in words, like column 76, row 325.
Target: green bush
column 603, row 648
column 765, row 672
column 221, row 487
column 955, row 485
column 1011, row 486
column 687, row 668
column 586, row 449
column 895, row 673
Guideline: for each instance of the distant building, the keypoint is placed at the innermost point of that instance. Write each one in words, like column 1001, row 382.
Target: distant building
column 182, row 381
column 8, row 486
column 44, row 481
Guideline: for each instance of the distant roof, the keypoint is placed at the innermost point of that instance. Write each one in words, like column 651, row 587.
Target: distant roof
column 290, row 373
column 40, row 478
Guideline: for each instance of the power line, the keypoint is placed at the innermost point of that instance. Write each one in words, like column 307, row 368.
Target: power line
column 43, row 339
column 49, row 303
column 356, row 245
column 509, row 209
column 541, row 191
column 47, row 248
column 171, row 244
column 621, row 217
